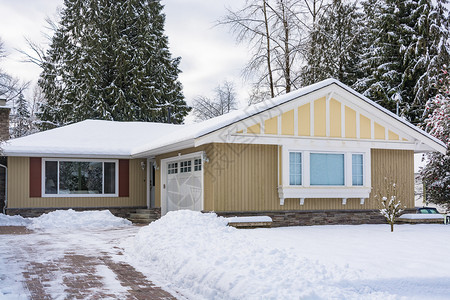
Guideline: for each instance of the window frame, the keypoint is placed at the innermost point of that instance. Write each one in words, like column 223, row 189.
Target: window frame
column 285, row 190
column 102, row 195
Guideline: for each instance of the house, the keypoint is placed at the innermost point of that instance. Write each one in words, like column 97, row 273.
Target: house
column 318, row 155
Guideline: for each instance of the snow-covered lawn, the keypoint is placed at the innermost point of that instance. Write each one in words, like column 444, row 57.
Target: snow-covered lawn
column 202, row 258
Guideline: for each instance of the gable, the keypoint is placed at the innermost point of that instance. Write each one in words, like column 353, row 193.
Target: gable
column 331, row 113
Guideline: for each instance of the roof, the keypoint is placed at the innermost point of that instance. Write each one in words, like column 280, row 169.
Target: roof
column 93, row 138
column 90, row 138
column 187, row 135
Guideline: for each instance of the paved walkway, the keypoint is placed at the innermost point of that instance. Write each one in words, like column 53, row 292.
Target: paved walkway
column 70, row 272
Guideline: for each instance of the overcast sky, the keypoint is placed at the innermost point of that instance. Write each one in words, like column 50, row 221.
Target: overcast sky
column 209, row 54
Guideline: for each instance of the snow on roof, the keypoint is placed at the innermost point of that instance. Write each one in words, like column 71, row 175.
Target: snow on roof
column 109, row 138
column 89, row 138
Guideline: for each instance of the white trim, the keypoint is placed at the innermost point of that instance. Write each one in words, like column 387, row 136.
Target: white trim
column 148, row 179
column 307, row 191
column 163, row 175
column 58, row 195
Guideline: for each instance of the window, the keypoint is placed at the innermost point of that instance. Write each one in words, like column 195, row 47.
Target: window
column 73, row 177
column 197, row 164
column 327, row 169
column 295, row 168
column 172, row 168
column 357, row 170
column 185, row 166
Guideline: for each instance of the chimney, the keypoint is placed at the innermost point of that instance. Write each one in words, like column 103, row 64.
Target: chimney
column 4, row 120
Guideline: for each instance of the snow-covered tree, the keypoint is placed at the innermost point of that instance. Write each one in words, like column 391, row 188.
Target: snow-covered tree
column 224, row 101
column 21, row 124
column 337, row 45
column 405, row 44
column 391, row 206
column 110, row 60
column 436, row 174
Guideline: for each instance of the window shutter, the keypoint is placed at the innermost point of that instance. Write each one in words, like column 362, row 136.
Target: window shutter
column 124, row 178
column 35, row 176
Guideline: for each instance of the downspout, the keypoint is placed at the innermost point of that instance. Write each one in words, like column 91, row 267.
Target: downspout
column 6, row 188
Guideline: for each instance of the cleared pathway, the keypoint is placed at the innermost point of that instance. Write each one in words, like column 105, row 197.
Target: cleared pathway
column 70, row 265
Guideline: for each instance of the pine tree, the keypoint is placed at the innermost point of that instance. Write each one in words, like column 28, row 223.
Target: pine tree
column 436, row 174
column 405, row 43
column 110, row 60
column 337, row 43
column 21, row 120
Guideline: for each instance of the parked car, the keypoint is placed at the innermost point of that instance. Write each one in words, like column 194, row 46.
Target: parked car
column 427, row 210
column 432, row 210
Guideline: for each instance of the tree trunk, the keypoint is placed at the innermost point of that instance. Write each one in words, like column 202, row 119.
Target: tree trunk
column 269, row 68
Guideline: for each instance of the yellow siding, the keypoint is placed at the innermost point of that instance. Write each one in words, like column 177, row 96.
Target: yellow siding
column 393, row 136
column 335, row 118
column 235, row 179
column 379, row 132
column 350, row 123
column 320, row 118
column 240, row 131
column 287, row 123
column 19, row 189
column 397, row 166
column 255, row 129
column 304, row 120
column 365, row 129
column 271, row 126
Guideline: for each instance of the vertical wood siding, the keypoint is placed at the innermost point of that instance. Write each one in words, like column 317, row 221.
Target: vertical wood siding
column 241, row 177
column 19, row 184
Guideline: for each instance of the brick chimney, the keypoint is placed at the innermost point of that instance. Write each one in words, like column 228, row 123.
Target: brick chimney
column 4, row 120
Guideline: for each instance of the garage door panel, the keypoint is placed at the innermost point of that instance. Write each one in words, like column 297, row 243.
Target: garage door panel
column 184, row 187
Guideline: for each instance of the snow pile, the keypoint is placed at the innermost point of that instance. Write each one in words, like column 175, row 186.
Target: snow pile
column 205, row 259
column 6, row 220
column 70, row 219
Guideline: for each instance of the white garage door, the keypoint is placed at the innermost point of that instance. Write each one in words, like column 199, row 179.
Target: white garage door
column 184, row 185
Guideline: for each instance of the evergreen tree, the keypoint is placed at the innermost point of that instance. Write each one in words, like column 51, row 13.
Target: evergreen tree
column 21, row 120
column 110, row 60
column 436, row 174
column 337, row 43
column 405, row 43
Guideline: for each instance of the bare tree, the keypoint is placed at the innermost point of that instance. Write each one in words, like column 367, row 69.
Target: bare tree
column 10, row 87
column 276, row 31
column 224, row 101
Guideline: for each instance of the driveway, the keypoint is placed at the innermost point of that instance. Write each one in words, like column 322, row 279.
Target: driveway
column 57, row 264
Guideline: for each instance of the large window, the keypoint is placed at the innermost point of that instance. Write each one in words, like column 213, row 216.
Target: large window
column 74, row 177
column 327, row 169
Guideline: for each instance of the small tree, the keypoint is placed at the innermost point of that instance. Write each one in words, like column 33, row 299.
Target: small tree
column 391, row 205
column 21, row 120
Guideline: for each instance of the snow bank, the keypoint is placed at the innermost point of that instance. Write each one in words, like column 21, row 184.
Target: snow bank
column 256, row 219
column 421, row 216
column 6, row 220
column 205, row 259
column 70, row 219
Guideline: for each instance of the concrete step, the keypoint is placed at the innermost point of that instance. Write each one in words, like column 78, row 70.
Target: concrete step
column 140, row 221
column 142, row 216
column 145, row 211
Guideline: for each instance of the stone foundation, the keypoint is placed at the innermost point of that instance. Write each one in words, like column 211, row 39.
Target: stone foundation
column 315, row 217
column 122, row 212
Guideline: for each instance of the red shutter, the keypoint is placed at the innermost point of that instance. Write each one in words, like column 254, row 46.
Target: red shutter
column 35, row 176
column 124, row 178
